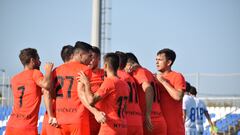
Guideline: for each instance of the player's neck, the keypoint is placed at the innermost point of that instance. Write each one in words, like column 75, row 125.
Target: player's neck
column 27, row 67
column 111, row 74
column 166, row 71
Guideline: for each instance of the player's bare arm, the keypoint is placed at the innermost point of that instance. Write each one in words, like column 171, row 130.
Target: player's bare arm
column 46, row 81
column 149, row 100
column 48, row 104
column 176, row 94
column 208, row 118
column 83, row 89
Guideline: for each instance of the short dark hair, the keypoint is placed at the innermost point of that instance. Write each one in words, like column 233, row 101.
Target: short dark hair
column 122, row 59
column 112, row 60
column 170, row 54
column 96, row 50
column 188, row 87
column 26, row 55
column 132, row 58
column 66, row 52
column 79, row 45
column 193, row 91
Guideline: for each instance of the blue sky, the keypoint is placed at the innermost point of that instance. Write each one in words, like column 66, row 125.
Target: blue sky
column 204, row 33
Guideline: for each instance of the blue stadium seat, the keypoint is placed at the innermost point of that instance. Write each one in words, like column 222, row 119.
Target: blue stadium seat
column 1, row 131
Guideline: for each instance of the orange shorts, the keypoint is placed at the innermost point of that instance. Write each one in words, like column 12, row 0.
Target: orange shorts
column 95, row 126
column 48, row 129
column 72, row 129
column 135, row 130
column 106, row 129
column 21, row 131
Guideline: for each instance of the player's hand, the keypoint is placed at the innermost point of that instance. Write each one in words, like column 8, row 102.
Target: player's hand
column 148, row 123
column 48, row 66
column 214, row 130
column 82, row 78
column 160, row 78
column 132, row 68
column 53, row 121
column 100, row 117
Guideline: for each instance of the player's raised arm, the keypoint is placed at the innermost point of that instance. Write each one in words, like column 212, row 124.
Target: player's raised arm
column 45, row 82
column 176, row 94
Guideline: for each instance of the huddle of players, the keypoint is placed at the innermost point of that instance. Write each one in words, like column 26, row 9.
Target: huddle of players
column 81, row 99
column 194, row 110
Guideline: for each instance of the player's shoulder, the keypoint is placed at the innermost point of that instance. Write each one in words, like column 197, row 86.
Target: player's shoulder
column 141, row 72
column 25, row 75
column 123, row 75
column 122, row 82
column 72, row 65
column 109, row 82
column 201, row 101
column 186, row 97
column 176, row 73
column 144, row 70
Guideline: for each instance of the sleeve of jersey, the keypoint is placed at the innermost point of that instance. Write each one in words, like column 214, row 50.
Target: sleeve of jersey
column 180, row 82
column 142, row 76
column 37, row 76
column 106, row 88
column 88, row 73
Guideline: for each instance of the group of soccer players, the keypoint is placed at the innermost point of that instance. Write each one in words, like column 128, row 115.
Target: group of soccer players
column 194, row 110
column 122, row 98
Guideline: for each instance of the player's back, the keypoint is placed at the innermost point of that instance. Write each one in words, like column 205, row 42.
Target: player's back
column 114, row 105
column 189, row 106
column 142, row 75
column 201, row 108
column 133, row 111
column 69, row 109
column 27, row 99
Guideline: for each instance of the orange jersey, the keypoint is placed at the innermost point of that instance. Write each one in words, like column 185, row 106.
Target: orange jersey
column 95, row 82
column 159, row 125
column 133, row 111
column 172, row 109
column 69, row 109
column 96, row 79
column 143, row 75
column 114, row 96
column 27, row 98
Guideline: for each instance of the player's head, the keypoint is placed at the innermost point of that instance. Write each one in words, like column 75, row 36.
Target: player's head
column 122, row 59
column 165, row 59
column 95, row 58
column 67, row 53
column 188, row 87
column 82, row 52
column 29, row 57
column 193, row 91
column 131, row 62
column 111, row 62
